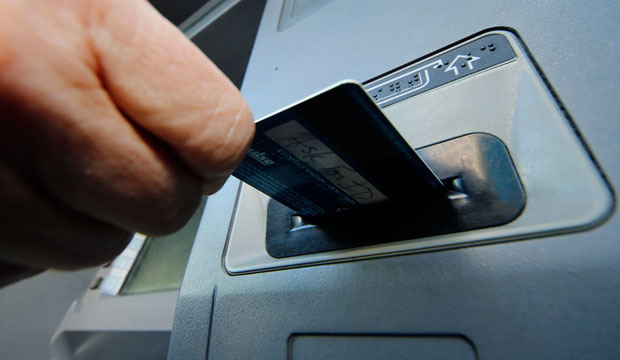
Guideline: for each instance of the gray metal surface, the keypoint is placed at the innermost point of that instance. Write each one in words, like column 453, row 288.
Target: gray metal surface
column 549, row 298
column 225, row 33
column 195, row 307
column 31, row 310
column 509, row 101
column 99, row 326
column 117, row 345
column 465, row 60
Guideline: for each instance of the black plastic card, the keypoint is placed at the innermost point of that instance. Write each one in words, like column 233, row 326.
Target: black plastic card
column 332, row 153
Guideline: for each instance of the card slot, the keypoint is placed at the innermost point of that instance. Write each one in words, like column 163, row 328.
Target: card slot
column 481, row 189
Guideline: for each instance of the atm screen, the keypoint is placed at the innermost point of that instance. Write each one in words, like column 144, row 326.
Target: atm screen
column 161, row 262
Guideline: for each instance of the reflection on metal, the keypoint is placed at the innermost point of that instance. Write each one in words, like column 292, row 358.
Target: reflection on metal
column 208, row 13
column 298, row 224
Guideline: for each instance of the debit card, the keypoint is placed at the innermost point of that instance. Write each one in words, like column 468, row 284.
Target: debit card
column 333, row 152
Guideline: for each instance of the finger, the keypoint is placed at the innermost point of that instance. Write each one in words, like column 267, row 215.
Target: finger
column 59, row 120
column 10, row 273
column 166, row 85
column 70, row 137
column 38, row 232
column 81, row 150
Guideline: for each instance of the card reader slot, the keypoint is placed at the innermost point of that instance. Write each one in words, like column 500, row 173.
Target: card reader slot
column 482, row 189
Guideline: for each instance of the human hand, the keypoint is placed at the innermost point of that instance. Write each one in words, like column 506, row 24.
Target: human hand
column 111, row 121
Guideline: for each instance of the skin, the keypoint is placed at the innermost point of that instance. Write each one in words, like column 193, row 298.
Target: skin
column 111, row 122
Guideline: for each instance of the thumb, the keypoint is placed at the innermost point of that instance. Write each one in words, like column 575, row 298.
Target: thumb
column 167, row 86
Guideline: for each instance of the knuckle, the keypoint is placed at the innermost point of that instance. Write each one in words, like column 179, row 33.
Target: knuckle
column 166, row 204
column 102, row 247
column 173, row 214
column 224, row 145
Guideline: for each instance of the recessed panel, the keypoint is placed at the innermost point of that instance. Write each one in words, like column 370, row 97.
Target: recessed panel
column 507, row 99
column 386, row 347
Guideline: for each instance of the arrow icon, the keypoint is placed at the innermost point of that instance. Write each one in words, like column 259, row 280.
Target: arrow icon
column 453, row 66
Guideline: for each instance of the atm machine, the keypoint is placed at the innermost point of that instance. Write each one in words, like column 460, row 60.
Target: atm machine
column 513, row 104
